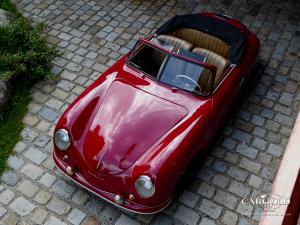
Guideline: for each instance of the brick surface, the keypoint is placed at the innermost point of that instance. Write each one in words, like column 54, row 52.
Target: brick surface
column 239, row 189
column 243, row 161
column 229, row 218
column 10, row 178
column 42, row 197
column 47, row 180
column 124, row 220
column 63, row 189
column 226, row 199
column 10, row 219
column 2, row 211
column 206, row 190
column 6, row 196
column 31, row 171
column 244, row 209
column 210, row 209
column 162, row 220
column 15, row 162
column 35, row 155
column 54, row 221
column 22, row 206
column 206, row 221
column 189, row 198
column 58, row 206
column 186, row 215
column 38, row 216
column 76, row 216
column 220, row 181
column 28, row 188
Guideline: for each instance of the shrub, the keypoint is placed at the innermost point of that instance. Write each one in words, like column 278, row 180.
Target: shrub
column 24, row 53
column 24, row 58
column 8, row 6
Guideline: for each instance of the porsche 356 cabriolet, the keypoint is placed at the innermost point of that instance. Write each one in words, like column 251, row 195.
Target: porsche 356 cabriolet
column 129, row 137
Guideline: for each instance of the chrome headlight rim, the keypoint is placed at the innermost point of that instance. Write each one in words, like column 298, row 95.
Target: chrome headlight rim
column 60, row 134
column 146, row 179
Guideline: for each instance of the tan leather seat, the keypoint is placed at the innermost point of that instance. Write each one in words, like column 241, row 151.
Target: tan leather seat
column 205, row 82
column 175, row 42
column 202, row 40
column 214, row 59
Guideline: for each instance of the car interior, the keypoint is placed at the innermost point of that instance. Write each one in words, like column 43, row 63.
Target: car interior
column 215, row 51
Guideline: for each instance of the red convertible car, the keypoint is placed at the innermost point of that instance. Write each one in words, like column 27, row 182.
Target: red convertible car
column 129, row 137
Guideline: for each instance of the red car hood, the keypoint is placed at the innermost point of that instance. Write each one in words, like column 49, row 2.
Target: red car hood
column 127, row 123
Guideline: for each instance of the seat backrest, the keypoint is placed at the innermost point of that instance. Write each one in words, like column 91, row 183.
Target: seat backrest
column 214, row 59
column 205, row 82
column 202, row 40
column 175, row 42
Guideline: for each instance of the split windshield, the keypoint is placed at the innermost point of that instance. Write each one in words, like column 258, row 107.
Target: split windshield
column 172, row 70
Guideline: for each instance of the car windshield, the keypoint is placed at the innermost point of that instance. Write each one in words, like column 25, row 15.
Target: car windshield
column 172, row 70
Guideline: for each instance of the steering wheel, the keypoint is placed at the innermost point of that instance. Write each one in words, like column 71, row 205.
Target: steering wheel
column 190, row 80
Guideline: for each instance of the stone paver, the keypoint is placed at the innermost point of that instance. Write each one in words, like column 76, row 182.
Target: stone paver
column 124, row 220
column 27, row 188
column 211, row 209
column 6, row 196
column 189, row 198
column 58, row 206
column 10, row 178
column 92, row 35
column 42, row 197
column 186, row 215
column 76, row 216
column 38, row 216
column 22, row 206
column 54, row 221
column 2, row 211
column 229, row 218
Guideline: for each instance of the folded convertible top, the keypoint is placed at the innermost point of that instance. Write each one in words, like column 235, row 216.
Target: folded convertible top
column 213, row 26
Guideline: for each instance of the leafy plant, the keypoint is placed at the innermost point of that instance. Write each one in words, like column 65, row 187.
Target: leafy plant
column 8, row 6
column 24, row 59
column 24, row 53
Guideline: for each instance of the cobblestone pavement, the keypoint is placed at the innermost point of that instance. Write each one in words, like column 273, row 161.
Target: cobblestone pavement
column 93, row 35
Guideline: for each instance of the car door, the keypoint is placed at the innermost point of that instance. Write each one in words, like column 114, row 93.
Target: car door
column 225, row 95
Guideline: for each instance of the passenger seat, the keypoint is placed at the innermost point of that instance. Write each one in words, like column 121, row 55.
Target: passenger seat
column 214, row 59
column 200, row 39
column 175, row 42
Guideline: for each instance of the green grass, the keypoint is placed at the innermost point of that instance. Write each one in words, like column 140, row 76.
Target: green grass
column 11, row 121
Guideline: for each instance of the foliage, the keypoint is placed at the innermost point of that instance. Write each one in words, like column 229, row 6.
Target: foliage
column 24, row 52
column 24, row 59
column 8, row 6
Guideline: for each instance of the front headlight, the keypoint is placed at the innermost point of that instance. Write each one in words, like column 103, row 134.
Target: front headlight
column 62, row 139
column 144, row 186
